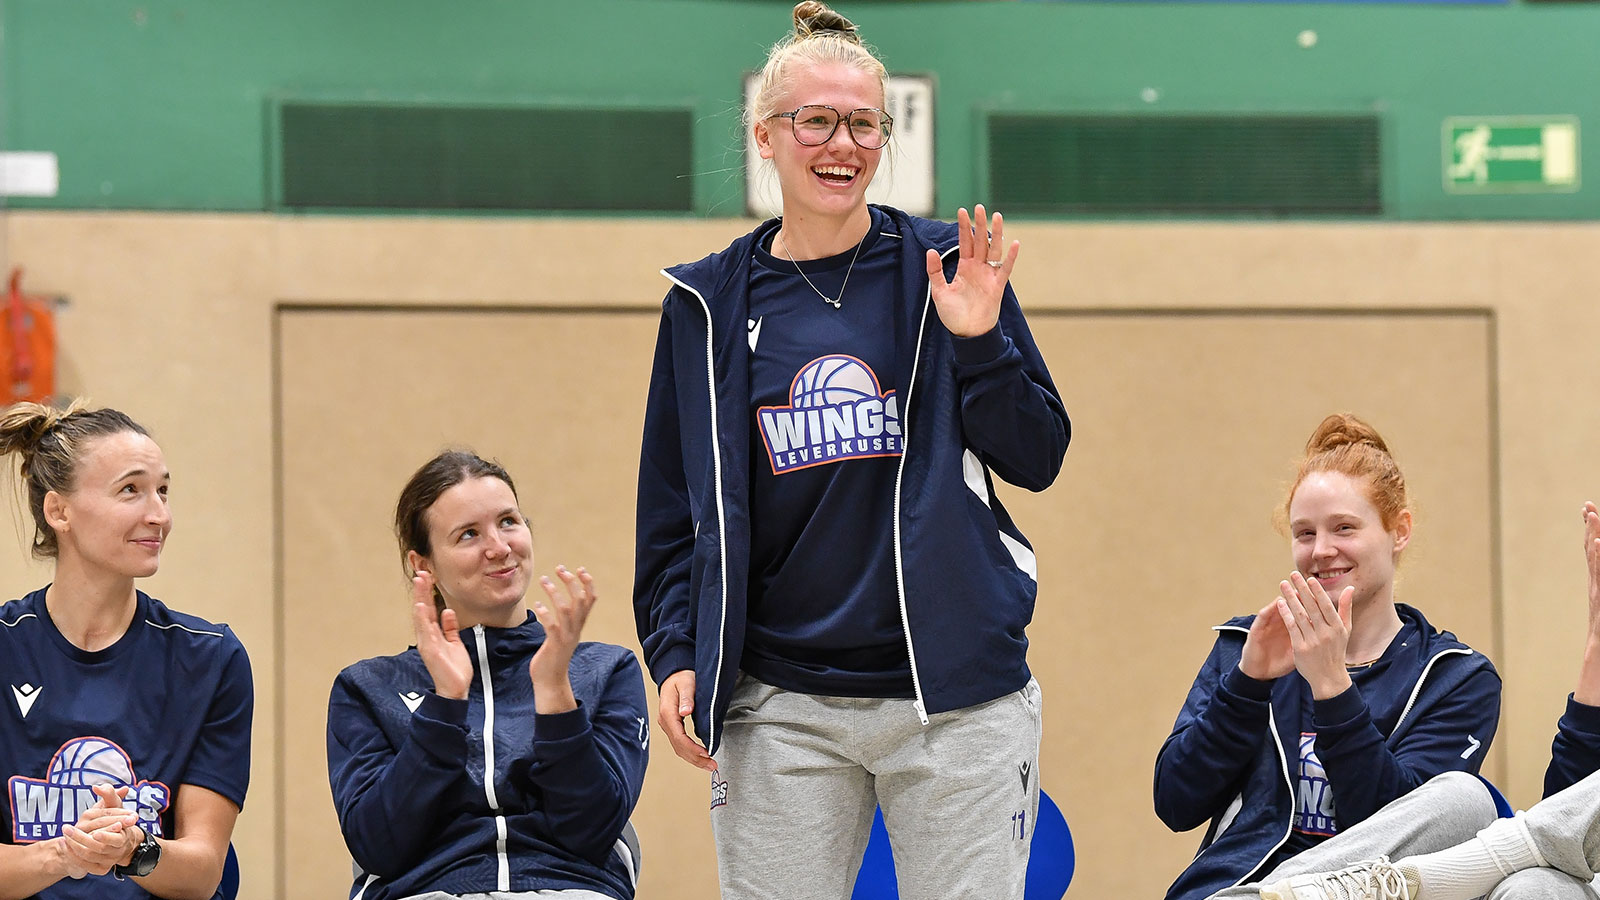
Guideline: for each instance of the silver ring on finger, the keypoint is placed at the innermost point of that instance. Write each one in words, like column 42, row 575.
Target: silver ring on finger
column 994, row 262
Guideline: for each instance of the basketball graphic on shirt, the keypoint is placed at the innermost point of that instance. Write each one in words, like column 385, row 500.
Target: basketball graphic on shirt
column 1310, row 764
column 1313, row 795
column 832, row 380
column 41, row 807
column 834, row 414
column 89, row 761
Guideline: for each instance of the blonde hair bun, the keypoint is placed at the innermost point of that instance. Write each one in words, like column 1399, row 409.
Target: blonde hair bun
column 814, row 18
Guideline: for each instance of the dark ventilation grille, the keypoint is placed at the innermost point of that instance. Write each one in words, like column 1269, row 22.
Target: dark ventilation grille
column 344, row 156
column 1267, row 165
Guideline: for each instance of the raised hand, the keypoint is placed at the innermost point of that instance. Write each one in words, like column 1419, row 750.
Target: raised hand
column 677, row 704
column 1587, row 691
column 563, row 615
column 969, row 303
column 104, row 835
column 1319, row 631
column 439, row 641
column 1591, row 549
column 1267, row 652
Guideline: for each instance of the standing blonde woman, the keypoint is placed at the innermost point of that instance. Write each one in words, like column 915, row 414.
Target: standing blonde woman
column 125, row 738
column 826, row 582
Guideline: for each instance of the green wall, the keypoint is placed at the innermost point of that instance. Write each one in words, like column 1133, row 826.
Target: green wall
column 165, row 104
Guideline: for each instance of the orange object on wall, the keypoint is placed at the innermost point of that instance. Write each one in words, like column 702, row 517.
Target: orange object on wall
column 27, row 346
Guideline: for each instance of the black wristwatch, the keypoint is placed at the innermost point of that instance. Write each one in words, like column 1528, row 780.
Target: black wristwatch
column 144, row 858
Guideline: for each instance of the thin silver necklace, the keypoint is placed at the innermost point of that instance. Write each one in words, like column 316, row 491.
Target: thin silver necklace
column 833, row 301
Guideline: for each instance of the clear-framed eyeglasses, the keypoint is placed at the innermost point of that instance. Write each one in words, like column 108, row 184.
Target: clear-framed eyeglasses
column 814, row 125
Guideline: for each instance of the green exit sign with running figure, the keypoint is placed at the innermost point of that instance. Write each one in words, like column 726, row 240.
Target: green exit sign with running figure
column 1510, row 154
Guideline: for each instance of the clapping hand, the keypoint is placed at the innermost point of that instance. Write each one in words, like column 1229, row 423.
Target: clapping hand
column 104, row 835
column 1319, row 632
column 1591, row 549
column 563, row 615
column 1267, row 653
column 439, row 641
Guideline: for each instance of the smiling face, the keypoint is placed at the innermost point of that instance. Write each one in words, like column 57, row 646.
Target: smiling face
column 827, row 181
column 115, row 518
column 480, row 552
column 1337, row 536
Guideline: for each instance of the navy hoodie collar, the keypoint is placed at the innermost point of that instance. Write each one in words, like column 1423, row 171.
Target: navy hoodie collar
column 519, row 642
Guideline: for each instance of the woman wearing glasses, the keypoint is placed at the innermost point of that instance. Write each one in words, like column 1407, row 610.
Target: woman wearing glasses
column 825, row 580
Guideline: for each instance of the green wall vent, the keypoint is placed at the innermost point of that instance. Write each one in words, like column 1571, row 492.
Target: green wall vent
column 436, row 157
column 1061, row 164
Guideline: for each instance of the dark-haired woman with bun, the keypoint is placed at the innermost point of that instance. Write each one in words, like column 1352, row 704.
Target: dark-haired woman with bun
column 1333, row 699
column 125, row 733
column 826, row 582
column 500, row 757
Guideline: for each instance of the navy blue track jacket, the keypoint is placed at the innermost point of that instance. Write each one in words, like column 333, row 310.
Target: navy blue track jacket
column 1228, row 758
column 483, row 794
column 972, row 408
column 1575, row 753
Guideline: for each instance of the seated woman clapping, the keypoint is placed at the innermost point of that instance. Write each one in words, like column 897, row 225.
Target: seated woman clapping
column 499, row 754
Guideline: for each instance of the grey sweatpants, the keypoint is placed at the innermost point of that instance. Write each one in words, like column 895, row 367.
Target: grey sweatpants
column 1451, row 809
column 799, row 775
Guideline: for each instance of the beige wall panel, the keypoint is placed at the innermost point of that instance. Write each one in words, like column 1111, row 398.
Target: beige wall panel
column 562, row 262
column 1160, row 526
column 1549, row 326
column 1255, row 264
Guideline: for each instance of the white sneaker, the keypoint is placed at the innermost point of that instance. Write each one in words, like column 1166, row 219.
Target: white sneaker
column 1375, row 879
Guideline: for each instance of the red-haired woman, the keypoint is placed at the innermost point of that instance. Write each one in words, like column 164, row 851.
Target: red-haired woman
column 1333, row 699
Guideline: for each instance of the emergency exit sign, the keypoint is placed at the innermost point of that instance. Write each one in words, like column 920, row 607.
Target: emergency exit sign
column 1510, row 154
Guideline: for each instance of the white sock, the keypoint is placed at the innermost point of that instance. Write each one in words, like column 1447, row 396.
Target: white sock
column 1472, row 869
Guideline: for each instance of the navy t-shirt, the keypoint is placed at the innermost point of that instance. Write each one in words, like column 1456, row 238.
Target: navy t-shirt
column 168, row 704
column 1392, row 676
column 825, row 437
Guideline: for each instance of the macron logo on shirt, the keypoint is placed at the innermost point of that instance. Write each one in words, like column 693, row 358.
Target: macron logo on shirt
column 25, row 695
column 411, row 699
column 835, row 413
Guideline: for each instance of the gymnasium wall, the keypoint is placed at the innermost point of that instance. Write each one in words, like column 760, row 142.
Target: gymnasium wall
column 169, row 104
column 296, row 369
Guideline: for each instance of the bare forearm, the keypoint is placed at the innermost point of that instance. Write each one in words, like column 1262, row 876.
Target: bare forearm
column 27, row 869
column 1588, row 690
column 553, row 695
column 190, row 869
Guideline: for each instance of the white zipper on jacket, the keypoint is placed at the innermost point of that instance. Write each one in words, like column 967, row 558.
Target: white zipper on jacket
column 1283, row 769
column 899, row 475
column 722, row 532
column 503, row 877
column 1417, row 691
